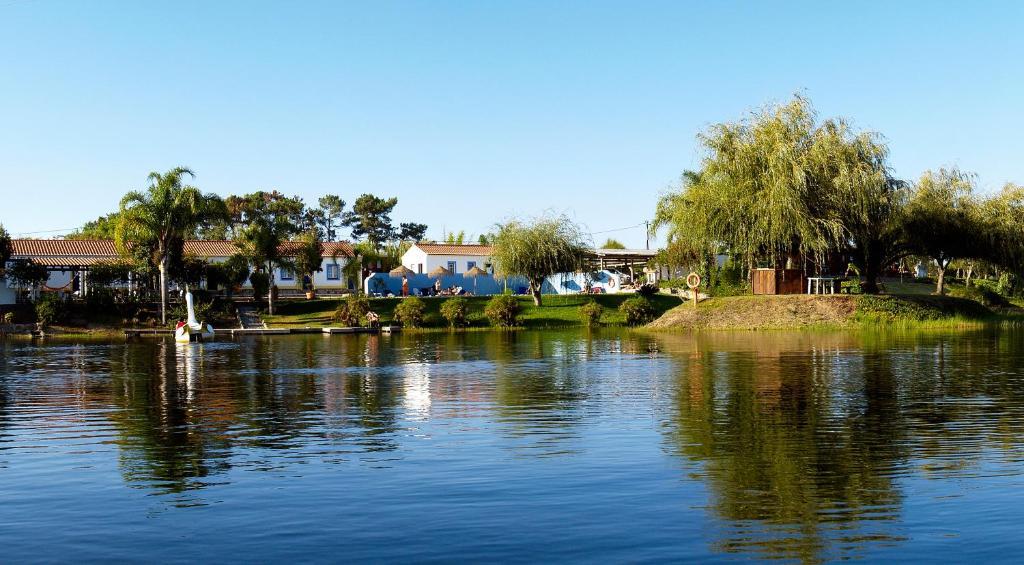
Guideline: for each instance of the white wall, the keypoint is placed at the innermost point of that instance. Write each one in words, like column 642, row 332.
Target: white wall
column 320, row 279
column 414, row 257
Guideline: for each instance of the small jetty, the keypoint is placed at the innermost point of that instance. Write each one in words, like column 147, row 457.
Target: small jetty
column 233, row 332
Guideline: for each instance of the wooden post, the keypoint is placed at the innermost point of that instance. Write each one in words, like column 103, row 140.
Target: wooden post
column 693, row 281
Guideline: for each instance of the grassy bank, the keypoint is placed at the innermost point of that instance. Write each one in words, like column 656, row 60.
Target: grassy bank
column 803, row 311
column 557, row 311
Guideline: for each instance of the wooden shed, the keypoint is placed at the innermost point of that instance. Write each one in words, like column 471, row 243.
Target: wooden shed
column 778, row 281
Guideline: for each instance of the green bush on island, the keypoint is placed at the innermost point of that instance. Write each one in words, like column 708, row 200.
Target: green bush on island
column 502, row 311
column 979, row 293
column 352, row 311
column 590, row 313
column 50, row 310
column 9, row 318
column 410, row 312
column 638, row 310
column 454, row 310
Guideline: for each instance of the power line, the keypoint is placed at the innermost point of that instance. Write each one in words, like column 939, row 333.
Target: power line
column 619, row 229
column 46, row 231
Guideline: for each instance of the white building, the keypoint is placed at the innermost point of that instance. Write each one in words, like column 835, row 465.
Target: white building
column 68, row 262
column 422, row 258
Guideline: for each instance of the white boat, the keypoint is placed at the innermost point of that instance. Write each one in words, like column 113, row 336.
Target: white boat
column 191, row 330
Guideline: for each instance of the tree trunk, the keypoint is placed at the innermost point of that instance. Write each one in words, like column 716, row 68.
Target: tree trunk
column 270, row 288
column 940, row 287
column 970, row 271
column 535, row 291
column 870, row 285
column 163, row 290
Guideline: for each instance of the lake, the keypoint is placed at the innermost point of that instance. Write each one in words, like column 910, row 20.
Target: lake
column 516, row 447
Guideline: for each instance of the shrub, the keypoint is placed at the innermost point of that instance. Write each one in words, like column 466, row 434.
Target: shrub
column 638, row 310
column 409, row 312
column 9, row 318
column 352, row 311
column 502, row 311
column 590, row 313
column 260, row 284
column 205, row 311
column 50, row 309
column 647, row 290
column 454, row 310
column 851, row 286
column 982, row 294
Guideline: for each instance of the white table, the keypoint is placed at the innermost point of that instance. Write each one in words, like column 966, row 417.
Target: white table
column 822, row 285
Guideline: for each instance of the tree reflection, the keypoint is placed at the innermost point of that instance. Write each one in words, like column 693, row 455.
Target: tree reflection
column 791, row 466
column 164, row 443
column 801, row 437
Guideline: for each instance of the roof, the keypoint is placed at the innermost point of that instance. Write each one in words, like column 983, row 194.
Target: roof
column 453, row 249
column 649, row 253
column 55, row 252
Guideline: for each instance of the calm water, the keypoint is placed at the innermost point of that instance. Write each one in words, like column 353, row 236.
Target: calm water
column 547, row 446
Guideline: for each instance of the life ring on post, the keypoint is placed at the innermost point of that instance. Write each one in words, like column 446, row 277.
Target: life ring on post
column 693, row 281
column 611, row 282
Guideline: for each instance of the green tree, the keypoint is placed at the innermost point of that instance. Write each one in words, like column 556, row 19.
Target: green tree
column 269, row 220
column 1003, row 214
column 781, row 183
column 411, row 231
column 756, row 192
column 370, row 218
column 539, row 248
column 944, row 221
column 27, row 274
column 6, row 248
column 104, row 227
column 329, row 216
column 309, row 256
column 612, row 244
column 160, row 218
column 453, row 238
column 868, row 201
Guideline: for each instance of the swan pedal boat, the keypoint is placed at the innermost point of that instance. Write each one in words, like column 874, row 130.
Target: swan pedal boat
column 192, row 330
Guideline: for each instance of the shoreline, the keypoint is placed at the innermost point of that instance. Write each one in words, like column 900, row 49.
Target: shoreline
column 716, row 314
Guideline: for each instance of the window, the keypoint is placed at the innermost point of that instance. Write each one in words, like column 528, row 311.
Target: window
column 333, row 272
column 470, row 265
column 451, row 267
column 287, row 275
column 419, row 268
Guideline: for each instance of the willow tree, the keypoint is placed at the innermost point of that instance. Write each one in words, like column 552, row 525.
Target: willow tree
column 160, row 218
column 756, row 192
column 538, row 248
column 780, row 183
column 944, row 220
column 865, row 197
column 1003, row 215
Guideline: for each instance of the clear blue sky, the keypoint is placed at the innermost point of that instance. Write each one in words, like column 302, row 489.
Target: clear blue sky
column 470, row 112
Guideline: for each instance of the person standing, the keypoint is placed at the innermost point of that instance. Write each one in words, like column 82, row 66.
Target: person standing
column 405, row 286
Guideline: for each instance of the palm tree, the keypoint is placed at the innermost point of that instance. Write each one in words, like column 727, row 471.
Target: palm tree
column 160, row 219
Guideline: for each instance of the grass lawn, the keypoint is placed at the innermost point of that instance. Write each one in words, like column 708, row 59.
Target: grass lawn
column 557, row 311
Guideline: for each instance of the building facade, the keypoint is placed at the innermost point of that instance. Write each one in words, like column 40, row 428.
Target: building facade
column 69, row 261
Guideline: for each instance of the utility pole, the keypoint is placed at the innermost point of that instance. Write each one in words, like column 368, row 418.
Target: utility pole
column 647, row 233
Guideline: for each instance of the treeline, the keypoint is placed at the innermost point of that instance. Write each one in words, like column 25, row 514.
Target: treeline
column 782, row 186
column 151, row 226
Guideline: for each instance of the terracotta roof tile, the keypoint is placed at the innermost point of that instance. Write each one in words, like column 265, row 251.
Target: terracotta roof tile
column 47, row 250
column 448, row 249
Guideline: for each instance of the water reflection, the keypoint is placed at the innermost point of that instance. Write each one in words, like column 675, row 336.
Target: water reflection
column 802, row 438
column 804, row 443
